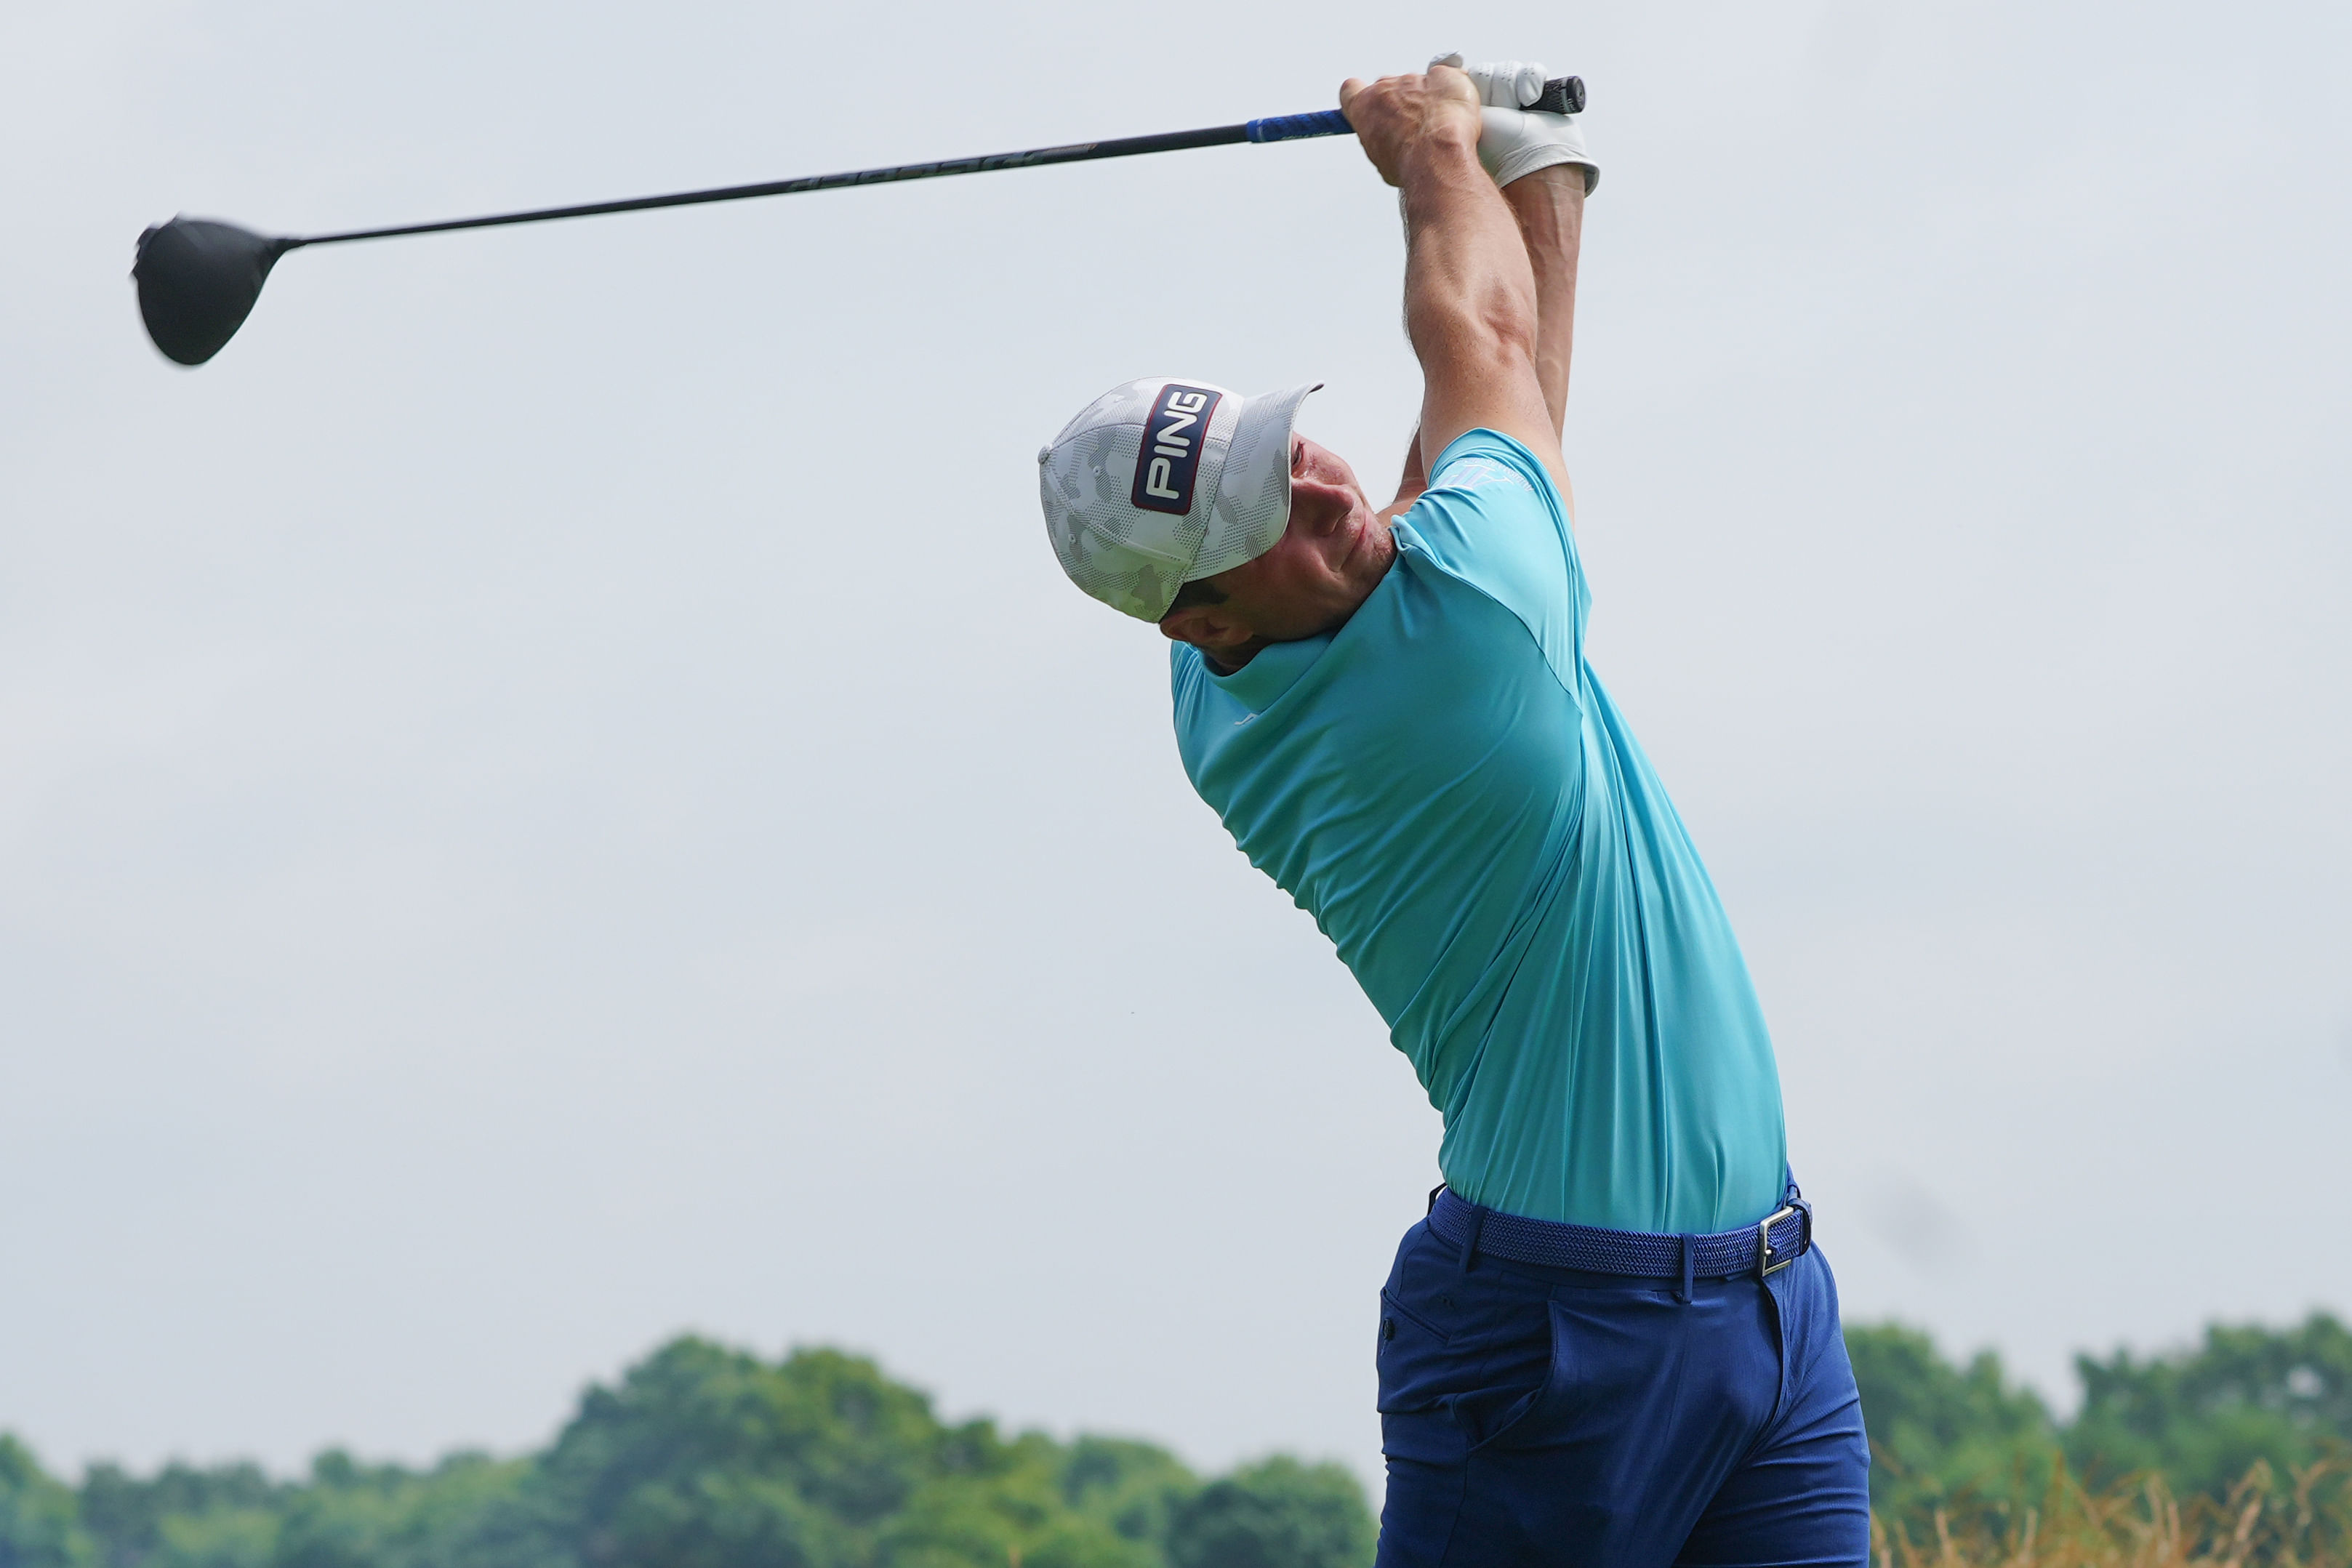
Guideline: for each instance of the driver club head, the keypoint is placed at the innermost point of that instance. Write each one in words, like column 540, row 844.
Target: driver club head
column 197, row 281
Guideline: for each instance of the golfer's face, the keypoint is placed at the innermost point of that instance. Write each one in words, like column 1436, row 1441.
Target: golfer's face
column 1328, row 560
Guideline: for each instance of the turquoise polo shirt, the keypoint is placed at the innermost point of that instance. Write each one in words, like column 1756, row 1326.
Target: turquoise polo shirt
column 1444, row 786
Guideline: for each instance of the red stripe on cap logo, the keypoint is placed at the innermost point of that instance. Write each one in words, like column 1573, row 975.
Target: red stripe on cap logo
column 1170, row 456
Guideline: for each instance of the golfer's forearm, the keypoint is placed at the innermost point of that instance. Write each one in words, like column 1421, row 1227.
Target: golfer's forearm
column 1470, row 295
column 1549, row 207
column 1467, row 284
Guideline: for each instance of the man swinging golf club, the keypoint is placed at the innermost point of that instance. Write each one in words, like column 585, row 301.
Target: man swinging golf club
column 1611, row 1341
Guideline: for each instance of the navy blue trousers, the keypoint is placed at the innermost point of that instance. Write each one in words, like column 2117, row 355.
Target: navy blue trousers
column 1552, row 1418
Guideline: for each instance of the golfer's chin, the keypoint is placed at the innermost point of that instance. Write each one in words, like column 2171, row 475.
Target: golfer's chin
column 1370, row 546
column 1364, row 560
column 1360, row 560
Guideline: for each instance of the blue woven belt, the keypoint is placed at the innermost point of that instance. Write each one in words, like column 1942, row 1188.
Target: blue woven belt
column 1764, row 1248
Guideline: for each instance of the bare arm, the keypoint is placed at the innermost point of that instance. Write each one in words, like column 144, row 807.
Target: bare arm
column 1410, row 484
column 1549, row 205
column 1471, row 299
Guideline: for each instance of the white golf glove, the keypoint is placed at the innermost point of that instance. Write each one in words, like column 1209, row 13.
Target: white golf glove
column 1515, row 140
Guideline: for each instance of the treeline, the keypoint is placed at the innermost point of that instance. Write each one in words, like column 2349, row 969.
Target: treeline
column 703, row 1457
column 2252, row 1428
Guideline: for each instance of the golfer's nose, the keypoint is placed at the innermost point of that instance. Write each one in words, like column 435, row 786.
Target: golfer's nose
column 1321, row 506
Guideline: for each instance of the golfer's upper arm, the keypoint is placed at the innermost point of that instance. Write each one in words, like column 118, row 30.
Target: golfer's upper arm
column 1482, row 375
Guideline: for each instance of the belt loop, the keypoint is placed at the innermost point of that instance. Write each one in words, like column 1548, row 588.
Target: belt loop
column 1690, row 1250
column 1470, row 1242
column 1432, row 1199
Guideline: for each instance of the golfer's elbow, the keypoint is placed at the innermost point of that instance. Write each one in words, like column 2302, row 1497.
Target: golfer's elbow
column 1497, row 329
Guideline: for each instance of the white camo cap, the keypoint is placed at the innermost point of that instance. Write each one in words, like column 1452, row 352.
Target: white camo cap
column 1133, row 519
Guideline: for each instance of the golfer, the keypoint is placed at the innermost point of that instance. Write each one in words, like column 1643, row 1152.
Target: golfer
column 1612, row 1341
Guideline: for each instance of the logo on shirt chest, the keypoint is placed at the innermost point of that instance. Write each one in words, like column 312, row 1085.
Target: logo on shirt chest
column 1170, row 456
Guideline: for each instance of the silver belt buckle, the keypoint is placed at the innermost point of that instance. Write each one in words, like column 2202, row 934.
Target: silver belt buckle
column 1770, row 1262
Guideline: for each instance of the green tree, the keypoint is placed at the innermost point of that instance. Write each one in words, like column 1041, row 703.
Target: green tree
column 995, row 1504
column 706, row 1457
column 156, row 1521
column 1133, row 1488
column 2204, row 1416
column 353, row 1515
column 217, row 1538
column 40, row 1524
column 1963, row 1439
column 1277, row 1513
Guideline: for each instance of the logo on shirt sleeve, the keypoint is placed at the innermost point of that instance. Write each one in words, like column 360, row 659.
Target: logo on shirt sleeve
column 1170, row 457
column 1470, row 472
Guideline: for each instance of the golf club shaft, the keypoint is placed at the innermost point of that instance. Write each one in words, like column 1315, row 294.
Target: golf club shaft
column 1564, row 94
column 1283, row 128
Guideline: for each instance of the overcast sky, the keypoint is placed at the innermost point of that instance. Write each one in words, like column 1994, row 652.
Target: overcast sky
column 554, row 793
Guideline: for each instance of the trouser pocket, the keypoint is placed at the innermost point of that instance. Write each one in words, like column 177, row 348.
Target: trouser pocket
column 1461, row 1359
column 1497, row 1416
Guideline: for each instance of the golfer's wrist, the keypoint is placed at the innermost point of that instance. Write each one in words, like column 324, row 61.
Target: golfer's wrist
column 1441, row 157
column 1454, row 137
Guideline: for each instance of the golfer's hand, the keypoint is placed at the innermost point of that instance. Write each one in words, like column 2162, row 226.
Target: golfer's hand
column 1501, row 84
column 1515, row 140
column 1396, row 117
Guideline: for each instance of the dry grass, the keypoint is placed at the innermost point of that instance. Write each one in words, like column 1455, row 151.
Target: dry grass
column 2302, row 1521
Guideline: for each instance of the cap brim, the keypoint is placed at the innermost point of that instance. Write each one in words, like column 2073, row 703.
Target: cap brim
column 1252, row 506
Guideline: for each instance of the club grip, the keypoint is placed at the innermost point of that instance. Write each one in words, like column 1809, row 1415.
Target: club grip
column 1291, row 127
column 1561, row 95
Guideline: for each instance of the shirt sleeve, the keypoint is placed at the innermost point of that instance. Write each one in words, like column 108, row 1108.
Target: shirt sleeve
column 1493, row 518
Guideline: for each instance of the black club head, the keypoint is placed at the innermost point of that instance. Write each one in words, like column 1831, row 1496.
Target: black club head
column 197, row 281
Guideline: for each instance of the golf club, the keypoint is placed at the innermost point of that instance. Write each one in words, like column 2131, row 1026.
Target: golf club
column 198, row 277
